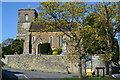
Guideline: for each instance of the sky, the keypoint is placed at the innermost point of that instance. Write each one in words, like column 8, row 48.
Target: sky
column 9, row 17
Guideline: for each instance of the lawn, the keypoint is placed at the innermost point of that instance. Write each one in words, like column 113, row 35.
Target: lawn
column 90, row 78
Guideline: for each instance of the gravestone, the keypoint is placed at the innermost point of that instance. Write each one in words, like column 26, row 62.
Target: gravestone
column 64, row 49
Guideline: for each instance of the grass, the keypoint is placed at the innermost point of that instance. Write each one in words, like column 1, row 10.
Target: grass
column 5, row 65
column 89, row 78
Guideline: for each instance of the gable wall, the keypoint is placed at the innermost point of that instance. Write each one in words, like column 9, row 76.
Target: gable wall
column 43, row 38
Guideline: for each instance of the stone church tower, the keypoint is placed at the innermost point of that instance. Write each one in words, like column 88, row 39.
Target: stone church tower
column 25, row 17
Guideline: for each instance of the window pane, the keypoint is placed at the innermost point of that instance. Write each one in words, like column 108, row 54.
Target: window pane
column 51, row 40
column 59, row 41
column 26, row 17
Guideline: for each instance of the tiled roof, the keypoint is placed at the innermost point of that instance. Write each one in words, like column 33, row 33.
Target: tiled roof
column 26, row 9
column 37, row 26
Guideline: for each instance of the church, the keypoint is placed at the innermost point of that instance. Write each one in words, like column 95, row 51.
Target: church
column 28, row 30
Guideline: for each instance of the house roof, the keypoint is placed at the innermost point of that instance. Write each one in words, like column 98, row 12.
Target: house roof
column 26, row 9
column 38, row 26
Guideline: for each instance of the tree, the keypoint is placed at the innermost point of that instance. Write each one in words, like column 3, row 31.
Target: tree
column 7, row 50
column 17, row 46
column 89, row 26
column 71, row 15
column 115, row 57
column 107, row 23
column 7, row 42
column 6, row 47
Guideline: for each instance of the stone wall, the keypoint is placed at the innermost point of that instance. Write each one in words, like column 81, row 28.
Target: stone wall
column 44, row 63
column 48, row 63
column 43, row 38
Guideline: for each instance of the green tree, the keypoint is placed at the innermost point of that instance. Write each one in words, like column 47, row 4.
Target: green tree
column 7, row 50
column 6, row 47
column 115, row 57
column 17, row 46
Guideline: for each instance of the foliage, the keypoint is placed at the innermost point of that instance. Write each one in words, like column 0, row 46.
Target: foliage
column 105, row 25
column 7, row 50
column 54, row 53
column 115, row 57
column 90, row 27
column 5, row 65
column 58, row 49
column 71, row 54
column 105, row 14
column 89, row 78
column 17, row 46
column 45, row 48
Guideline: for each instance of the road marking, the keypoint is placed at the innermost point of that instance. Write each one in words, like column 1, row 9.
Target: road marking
column 22, row 75
column 26, row 77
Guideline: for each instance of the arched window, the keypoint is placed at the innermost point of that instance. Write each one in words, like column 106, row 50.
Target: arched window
column 51, row 40
column 26, row 17
column 60, row 38
column 33, row 38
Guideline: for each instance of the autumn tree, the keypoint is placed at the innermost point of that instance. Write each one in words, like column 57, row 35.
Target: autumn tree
column 106, row 17
column 69, row 14
column 88, row 25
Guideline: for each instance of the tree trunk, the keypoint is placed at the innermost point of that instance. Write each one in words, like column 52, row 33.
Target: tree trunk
column 85, row 66
column 110, row 69
column 80, row 67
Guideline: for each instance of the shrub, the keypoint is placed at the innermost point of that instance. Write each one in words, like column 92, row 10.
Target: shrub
column 71, row 54
column 17, row 46
column 45, row 48
column 54, row 53
column 58, row 49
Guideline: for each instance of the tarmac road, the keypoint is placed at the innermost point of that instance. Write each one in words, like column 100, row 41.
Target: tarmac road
column 12, row 74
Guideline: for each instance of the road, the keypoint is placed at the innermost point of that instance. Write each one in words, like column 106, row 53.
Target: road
column 12, row 74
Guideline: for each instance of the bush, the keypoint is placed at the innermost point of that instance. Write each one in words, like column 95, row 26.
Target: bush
column 54, row 53
column 17, row 46
column 58, row 49
column 71, row 54
column 45, row 48
column 7, row 50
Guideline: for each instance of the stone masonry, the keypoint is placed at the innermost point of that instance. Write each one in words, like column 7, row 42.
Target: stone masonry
column 49, row 63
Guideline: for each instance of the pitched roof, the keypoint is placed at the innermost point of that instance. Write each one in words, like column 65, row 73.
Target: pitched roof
column 38, row 26
column 26, row 9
